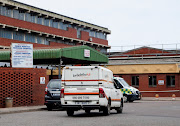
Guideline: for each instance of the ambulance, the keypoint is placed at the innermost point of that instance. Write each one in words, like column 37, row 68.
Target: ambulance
column 89, row 88
column 129, row 93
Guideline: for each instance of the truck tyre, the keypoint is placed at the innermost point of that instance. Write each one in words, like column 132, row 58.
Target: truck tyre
column 88, row 111
column 120, row 109
column 107, row 109
column 70, row 112
column 49, row 107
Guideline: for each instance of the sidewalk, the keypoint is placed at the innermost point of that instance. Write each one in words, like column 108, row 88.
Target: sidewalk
column 21, row 109
column 160, row 99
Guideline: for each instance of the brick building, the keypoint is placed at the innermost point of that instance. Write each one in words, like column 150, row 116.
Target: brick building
column 22, row 23
column 152, row 71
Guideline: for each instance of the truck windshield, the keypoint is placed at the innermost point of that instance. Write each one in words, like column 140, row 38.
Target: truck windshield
column 124, row 83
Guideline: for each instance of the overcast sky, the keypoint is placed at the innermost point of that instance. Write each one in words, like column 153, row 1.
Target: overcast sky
column 132, row 22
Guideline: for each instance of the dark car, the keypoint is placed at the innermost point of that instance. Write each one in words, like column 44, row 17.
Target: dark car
column 52, row 94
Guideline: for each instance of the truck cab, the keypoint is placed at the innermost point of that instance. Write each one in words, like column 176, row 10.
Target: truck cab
column 89, row 88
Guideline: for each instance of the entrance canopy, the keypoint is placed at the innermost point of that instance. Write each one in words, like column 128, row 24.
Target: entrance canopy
column 70, row 55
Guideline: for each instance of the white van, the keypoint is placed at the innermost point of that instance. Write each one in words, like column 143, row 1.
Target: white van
column 88, row 88
column 129, row 93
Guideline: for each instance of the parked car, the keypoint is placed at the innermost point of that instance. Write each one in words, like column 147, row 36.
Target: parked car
column 129, row 93
column 52, row 94
column 89, row 88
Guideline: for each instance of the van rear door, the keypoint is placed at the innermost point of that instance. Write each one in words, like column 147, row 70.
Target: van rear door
column 81, row 77
column 81, row 85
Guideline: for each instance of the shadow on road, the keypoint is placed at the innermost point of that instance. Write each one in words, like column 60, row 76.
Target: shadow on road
column 93, row 114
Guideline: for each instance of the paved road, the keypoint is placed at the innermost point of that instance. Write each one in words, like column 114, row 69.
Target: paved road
column 139, row 113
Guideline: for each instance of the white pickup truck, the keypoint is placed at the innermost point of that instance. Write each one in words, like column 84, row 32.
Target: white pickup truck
column 89, row 88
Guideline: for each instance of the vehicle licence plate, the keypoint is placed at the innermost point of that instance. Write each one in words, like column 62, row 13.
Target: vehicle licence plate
column 81, row 103
column 56, row 94
column 80, row 97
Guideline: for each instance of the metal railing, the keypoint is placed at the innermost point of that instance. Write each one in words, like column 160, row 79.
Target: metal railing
column 172, row 48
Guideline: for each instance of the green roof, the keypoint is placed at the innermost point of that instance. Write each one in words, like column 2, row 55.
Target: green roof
column 71, row 55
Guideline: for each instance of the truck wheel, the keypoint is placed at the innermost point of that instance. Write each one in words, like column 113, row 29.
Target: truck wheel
column 107, row 109
column 88, row 111
column 120, row 109
column 70, row 112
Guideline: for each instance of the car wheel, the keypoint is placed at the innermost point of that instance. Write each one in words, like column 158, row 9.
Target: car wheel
column 49, row 107
column 131, row 100
column 107, row 109
column 88, row 111
column 70, row 112
column 120, row 109
column 140, row 96
column 125, row 99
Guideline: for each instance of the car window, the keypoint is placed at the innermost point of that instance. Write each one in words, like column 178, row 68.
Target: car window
column 123, row 82
column 118, row 85
column 54, row 84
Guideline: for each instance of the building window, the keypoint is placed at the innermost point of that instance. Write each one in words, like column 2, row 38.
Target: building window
column 65, row 26
column 5, row 34
column 30, row 38
column 170, row 81
column 33, row 18
column 15, row 14
column 152, row 81
column 18, row 36
column 46, row 42
column 4, row 11
column 135, row 80
column 46, row 22
column 40, row 40
column 9, row 12
column 92, row 33
column 28, row 17
column 21, row 15
column 51, row 23
column 55, row 24
column 39, row 20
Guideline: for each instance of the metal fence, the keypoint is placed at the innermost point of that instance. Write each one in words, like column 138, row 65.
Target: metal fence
column 175, row 47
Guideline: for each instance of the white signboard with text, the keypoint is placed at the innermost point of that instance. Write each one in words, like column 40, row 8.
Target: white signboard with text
column 160, row 82
column 86, row 53
column 21, row 55
column 42, row 80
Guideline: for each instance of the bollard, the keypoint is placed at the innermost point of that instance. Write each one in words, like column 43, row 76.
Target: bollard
column 8, row 102
column 157, row 96
column 173, row 97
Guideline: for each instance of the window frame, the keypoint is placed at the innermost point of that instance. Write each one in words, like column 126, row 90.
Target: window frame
column 136, row 83
column 172, row 80
column 152, row 80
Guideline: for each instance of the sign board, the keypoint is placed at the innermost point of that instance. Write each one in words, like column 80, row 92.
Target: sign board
column 42, row 80
column 86, row 53
column 21, row 55
column 160, row 82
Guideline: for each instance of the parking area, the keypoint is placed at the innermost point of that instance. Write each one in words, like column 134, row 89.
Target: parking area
column 138, row 113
